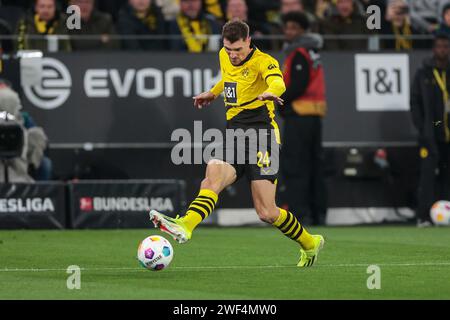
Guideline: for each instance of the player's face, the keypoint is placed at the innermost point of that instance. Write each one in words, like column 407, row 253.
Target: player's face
column 45, row 9
column 292, row 30
column 441, row 49
column 237, row 51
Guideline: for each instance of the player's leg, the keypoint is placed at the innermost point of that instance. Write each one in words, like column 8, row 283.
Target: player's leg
column 263, row 193
column 218, row 176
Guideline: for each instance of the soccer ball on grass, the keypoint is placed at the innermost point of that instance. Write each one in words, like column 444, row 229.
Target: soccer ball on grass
column 440, row 213
column 155, row 253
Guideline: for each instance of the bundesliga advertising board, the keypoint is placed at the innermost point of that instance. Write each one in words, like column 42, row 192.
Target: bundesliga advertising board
column 237, row 159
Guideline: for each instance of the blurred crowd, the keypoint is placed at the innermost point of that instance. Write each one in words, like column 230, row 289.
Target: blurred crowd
column 188, row 24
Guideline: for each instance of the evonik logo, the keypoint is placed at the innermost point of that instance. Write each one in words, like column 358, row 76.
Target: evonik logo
column 55, row 86
column 149, row 83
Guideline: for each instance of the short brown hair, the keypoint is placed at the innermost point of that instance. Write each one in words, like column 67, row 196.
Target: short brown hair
column 235, row 30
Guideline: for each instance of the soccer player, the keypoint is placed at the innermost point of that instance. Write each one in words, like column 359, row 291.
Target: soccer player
column 251, row 81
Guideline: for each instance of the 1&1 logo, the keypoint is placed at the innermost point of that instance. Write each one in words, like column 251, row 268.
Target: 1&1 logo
column 55, row 86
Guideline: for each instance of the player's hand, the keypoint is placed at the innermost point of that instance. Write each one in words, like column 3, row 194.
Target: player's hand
column 203, row 99
column 271, row 97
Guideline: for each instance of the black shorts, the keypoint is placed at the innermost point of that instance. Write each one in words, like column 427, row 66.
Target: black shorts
column 253, row 151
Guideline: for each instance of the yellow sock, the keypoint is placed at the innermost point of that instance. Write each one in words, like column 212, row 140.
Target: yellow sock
column 291, row 227
column 200, row 208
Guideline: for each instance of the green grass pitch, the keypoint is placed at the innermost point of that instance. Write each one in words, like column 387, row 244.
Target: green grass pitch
column 228, row 263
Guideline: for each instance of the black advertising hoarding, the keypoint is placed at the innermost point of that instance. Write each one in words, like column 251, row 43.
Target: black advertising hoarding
column 123, row 204
column 32, row 206
column 142, row 97
column 122, row 97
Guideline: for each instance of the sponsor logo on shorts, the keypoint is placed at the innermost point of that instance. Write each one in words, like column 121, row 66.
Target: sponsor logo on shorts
column 252, row 146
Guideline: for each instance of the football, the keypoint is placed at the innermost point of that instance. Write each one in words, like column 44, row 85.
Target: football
column 440, row 213
column 155, row 253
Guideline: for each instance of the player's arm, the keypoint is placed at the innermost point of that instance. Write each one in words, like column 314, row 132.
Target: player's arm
column 217, row 89
column 275, row 90
column 273, row 76
column 205, row 98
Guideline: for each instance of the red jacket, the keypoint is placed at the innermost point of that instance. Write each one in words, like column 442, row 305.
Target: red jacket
column 304, row 71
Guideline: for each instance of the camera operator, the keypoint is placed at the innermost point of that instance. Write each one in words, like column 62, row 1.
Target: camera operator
column 35, row 141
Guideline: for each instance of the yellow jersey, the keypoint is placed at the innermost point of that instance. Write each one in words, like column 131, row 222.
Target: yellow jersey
column 243, row 83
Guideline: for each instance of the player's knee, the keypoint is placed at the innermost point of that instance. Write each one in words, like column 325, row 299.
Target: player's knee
column 215, row 176
column 214, row 162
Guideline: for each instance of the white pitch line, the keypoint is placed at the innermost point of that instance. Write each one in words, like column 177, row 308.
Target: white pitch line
column 349, row 265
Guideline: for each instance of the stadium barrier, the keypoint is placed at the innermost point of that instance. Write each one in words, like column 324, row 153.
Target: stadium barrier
column 33, row 206
column 88, row 204
column 122, row 204
column 125, row 204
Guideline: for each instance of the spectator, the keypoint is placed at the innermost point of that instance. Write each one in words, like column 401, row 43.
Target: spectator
column 322, row 8
column 45, row 19
column 426, row 14
column 347, row 21
column 288, row 6
column 304, row 107
column 217, row 8
column 111, row 7
column 297, row 6
column 430, row 113
column 237, row 9
column 142, row 18
column 193, row 25
column 444, row 27
column 6, row 44
column 398, row 24
column 93, row 22
column 35, row 139
column 380, row 3
column 169, row 8
column 291, row 6
column 263, row 11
